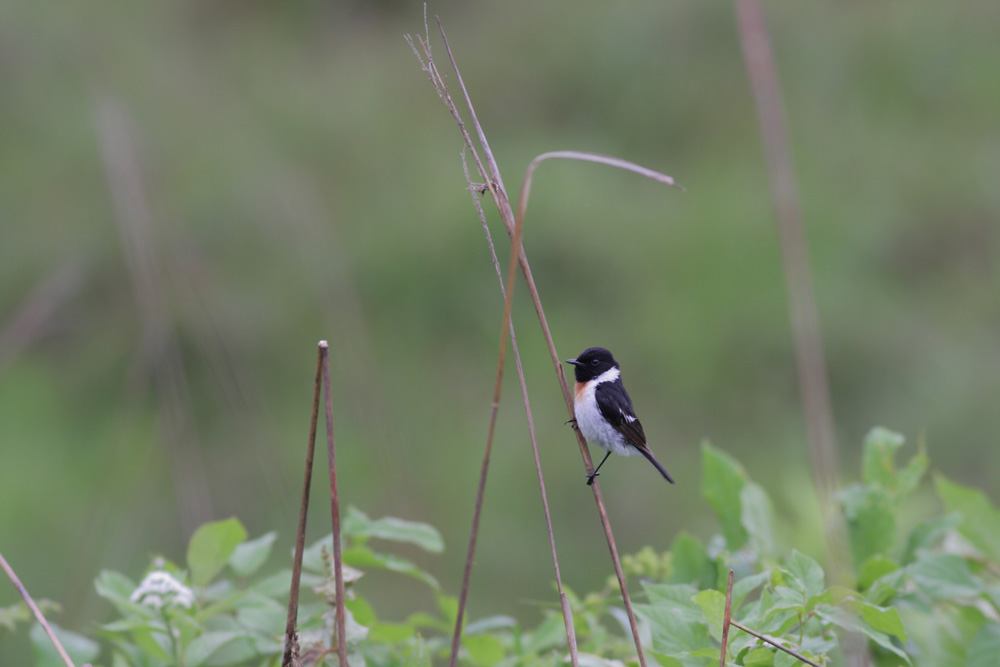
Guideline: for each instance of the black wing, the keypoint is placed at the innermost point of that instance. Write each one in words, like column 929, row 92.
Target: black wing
column 616, row 407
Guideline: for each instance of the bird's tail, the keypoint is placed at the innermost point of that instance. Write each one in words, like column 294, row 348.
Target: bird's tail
column 652, row 459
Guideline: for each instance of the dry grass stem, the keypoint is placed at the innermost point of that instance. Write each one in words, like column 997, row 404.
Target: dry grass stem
column 291, row 637
column 338, row 569
column 563, row 600
column 35, row 610
column 810, row 361
column 161, row 354
column 484, row 469
column 490, row 173
column 726, row 619
column 774, row 643
column 813, row 382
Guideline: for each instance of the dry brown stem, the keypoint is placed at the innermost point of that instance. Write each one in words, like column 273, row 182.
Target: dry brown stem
column 338, row 568
column 35, row 610
column 490, row 173
column 291, row 638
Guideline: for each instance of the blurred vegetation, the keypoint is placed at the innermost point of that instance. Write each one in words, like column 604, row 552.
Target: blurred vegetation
column 303, row 181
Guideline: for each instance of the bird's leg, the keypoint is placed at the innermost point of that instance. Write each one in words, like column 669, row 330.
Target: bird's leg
column 591, row 476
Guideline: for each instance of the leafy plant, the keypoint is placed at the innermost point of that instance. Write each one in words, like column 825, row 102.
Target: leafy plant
column 219, row 611
column 929, row 595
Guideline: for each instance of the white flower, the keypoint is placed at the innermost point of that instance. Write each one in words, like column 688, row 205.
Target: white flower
column 160, row 588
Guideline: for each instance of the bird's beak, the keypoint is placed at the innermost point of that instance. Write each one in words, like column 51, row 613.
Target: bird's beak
column 573, row 361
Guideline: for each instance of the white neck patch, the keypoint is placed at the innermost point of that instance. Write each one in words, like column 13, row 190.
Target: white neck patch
column 609, row 375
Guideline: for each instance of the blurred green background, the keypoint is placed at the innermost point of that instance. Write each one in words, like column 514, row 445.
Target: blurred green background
column 195, row 193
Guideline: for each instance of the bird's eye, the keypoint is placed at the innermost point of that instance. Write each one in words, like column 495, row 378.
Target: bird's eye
column 594, row 362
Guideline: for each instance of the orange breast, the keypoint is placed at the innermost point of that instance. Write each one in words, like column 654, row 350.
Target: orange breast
column 578, row 390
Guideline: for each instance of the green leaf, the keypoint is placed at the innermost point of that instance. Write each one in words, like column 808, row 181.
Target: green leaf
column 884, row 619
column 675, row 621
column 391, row 633
column 312, row 556
column 448, row 606
column 250, row 556
column 944, row 576
column 871, row 521
column 277, row 584
column 690, row 562
column 908, row 479
column 928, row 534
column 985, row 646
column 261, row 613
column 354, row 632
column 743, row 587
column 490, row 623
column 807, row 574
column 422, row 619
column 425, row 536
column 980, row 519
column 551, row 632
column 886, row 587
column 14, row 614
column 759, row 657
column 878, row 466
column 666, row 660
column 117, row 589
column 782, row 659
column 485, row 650
column 211, row 546
column 362, row 610
column 874, row 568
column 722, row 484
column 847, row 621
column 713, row 610
column 362, row 557
column 113, row 585
column 758, row 519
column 669, row 595
column 79, row 648
column 219, row 648
column 415, row 654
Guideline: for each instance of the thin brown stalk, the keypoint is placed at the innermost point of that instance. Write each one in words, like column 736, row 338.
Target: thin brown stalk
column 35, row 610
column 494, row 184
column 291, row 637
column 813, row 382
column 810, row 361
column 563, row 600
column 522, row 205
column 727, row 619
column 161, row 351
column 497, row 386
column 338, row 569
column 41, row 308
column 774, row 643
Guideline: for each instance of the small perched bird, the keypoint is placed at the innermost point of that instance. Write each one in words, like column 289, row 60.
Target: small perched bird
column 604, row 413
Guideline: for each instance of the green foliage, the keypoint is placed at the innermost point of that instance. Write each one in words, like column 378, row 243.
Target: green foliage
column 197, row 616
column 12, row 616
column 80, row 649
column 210, row 548
column 930, row 596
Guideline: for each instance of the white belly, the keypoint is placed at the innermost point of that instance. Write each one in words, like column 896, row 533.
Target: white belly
column 594, row 428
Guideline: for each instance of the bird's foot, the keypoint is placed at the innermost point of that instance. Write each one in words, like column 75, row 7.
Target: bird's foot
column 573, row 425
column 590, row 478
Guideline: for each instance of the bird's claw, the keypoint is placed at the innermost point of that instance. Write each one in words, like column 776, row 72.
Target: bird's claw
column 573, row 425
column 591, row 476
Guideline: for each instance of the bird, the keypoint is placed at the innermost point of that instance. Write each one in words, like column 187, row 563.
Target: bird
column 603, row 409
